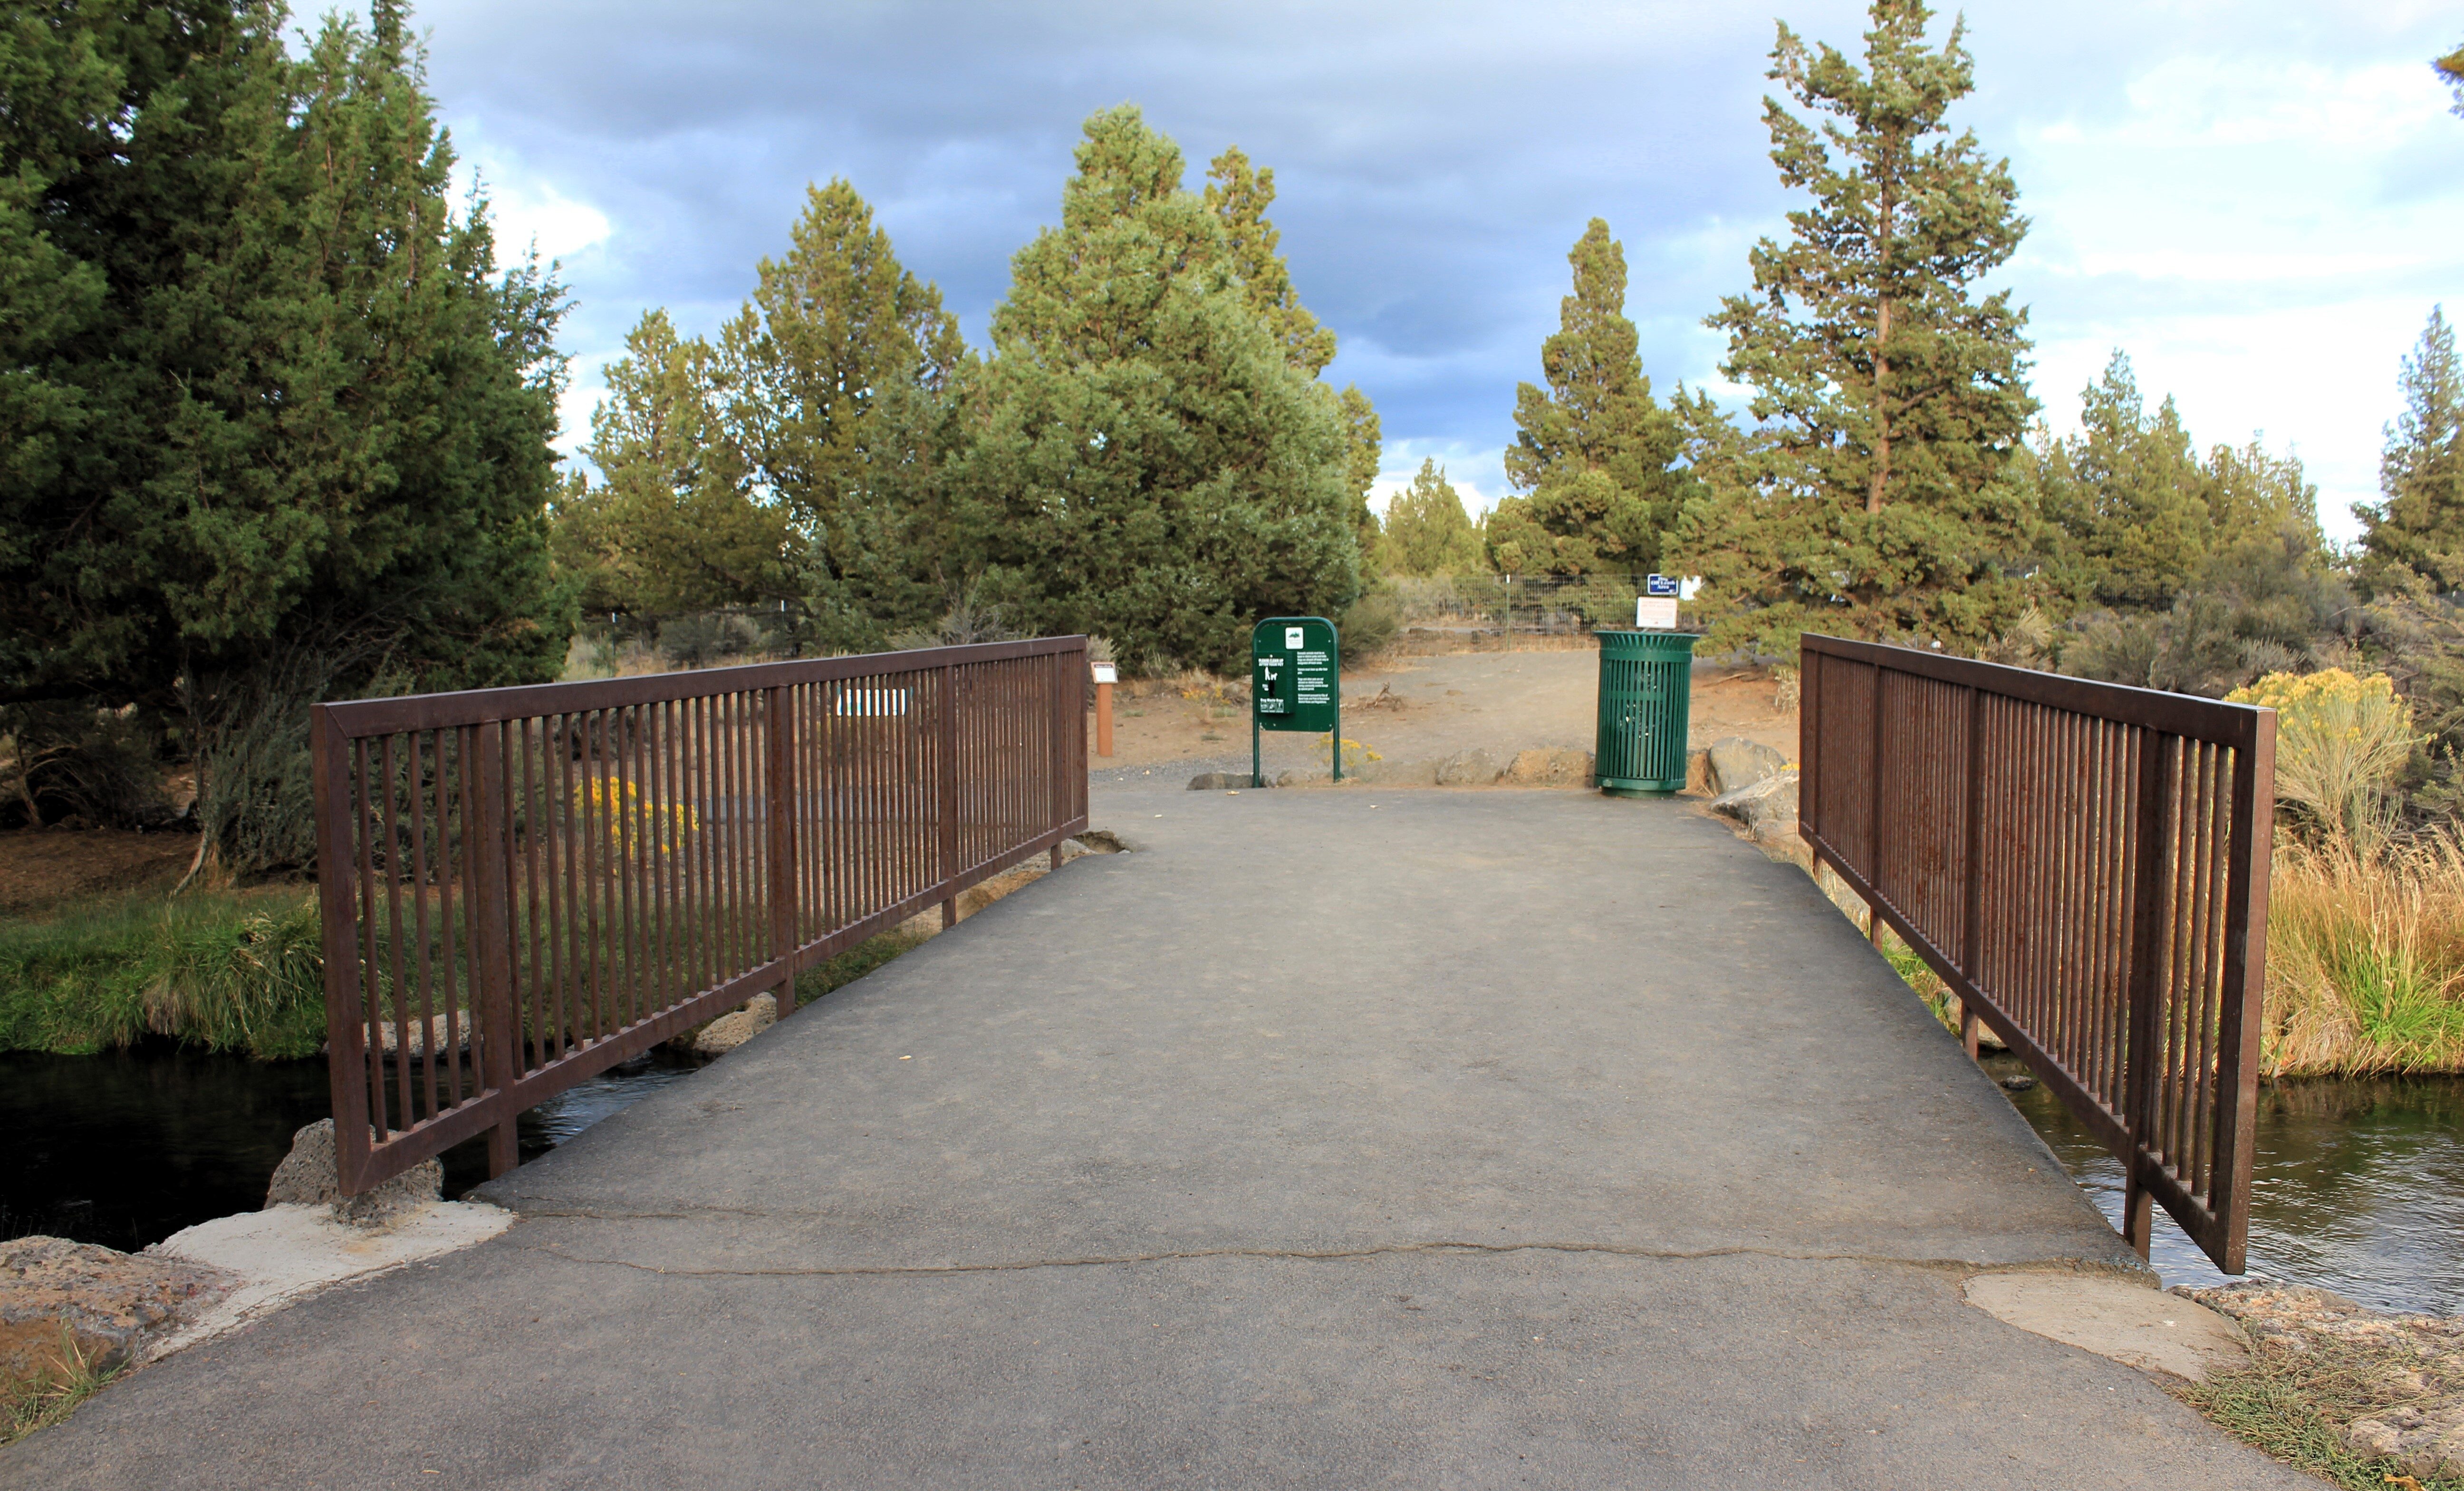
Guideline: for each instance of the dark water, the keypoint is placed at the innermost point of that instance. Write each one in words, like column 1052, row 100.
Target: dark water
column 2357, row 1187
column 127, row 1147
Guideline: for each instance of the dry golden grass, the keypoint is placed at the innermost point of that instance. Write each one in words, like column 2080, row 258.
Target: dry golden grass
column 2366, row 958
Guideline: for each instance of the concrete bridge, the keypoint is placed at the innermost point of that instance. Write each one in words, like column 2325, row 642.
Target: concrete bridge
column 1331, row 1139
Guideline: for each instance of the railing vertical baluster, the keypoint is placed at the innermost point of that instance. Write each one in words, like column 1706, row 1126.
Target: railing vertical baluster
column 487, row 849
column 1972, row 871
column 949, row 796
column 2149, row 921
column 347, row 1077
column 782, row 793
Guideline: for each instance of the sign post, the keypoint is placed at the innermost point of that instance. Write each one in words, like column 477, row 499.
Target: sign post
column 1295, row 683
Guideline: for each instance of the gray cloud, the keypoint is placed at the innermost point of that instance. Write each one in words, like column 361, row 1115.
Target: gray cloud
column 1433, row 161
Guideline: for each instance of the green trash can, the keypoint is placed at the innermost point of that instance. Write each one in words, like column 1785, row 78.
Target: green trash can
column 1647, row 692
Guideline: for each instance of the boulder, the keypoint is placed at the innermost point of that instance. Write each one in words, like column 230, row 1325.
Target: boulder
column 1770, row 800
column 60, row 1299
column 308, row 1176
column 1394, row 773
column 730, row 1031
column 1737, row 761
column 1551, row 769
column 1219, row 781
column 2418, row 1360
column 1301, row 778
column 1470, row 769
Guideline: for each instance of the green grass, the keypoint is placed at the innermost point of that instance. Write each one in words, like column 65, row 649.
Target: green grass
column 852, row 965
column 2292, row 1406
column 225, row 971
column 40, row 1402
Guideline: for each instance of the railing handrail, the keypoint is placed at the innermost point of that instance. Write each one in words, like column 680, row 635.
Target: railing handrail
column 2212, row 720
column 521, row 887
column 361, row 717
column 2085, row 866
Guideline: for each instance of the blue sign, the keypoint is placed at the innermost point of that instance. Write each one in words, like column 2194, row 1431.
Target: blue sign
column 1660, row 584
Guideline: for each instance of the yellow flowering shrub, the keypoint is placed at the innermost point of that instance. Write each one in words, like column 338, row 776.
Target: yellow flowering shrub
column 2340, row 741
column 612, row 798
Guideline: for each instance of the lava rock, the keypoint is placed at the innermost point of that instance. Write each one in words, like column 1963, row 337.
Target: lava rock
column 1768, row 801
column 59, row 1299
column 1551, row 769
column 1737, row 761
column 1475, row 767
column 730, row 1031
column 309, row 1176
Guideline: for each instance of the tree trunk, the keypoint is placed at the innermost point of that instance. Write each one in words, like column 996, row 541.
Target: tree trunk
column 1882, row 409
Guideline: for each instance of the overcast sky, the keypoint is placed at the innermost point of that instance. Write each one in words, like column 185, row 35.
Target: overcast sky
column 2259, row 201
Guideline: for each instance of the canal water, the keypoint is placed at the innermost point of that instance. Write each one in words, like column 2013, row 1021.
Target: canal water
column 2359, row 1185
column 127, row 1147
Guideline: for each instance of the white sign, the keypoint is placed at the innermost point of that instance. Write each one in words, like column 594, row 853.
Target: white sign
column 1292, row 638
column 1656, row 613
column 1107, row 672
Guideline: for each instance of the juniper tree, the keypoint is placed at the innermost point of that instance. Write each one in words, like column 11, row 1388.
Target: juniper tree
column 1238, row 196
column 1426, row 530
column 2418, row 528
column 1151, row 464
column 1595, row 452
column 1889, row 394
column 2124, row 499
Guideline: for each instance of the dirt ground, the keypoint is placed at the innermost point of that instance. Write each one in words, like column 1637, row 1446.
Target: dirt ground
column 1430, row 707
column 40, row 868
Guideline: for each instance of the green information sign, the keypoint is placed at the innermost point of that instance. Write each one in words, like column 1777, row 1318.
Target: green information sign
column 1294, row 683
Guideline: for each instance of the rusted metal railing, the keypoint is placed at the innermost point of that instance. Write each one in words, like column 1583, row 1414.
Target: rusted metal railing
column 522, row 887
column 2085, row 865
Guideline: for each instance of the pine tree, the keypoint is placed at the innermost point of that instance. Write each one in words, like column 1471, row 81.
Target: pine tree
column 1890, row 400
column 842, row 377
column 2419, row 527
column 673, row 526
column 2127, row 496
column 1239, row 196
column 1595, row 452
column 2451, row 70
column 1428, row 532
column 1151, row 465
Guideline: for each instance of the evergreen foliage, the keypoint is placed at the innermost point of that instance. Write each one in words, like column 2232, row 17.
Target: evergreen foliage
column 1428, row 532
column 1595, row 451
column 263, row 382
column 671, row 526
column 1151, row 463
column 797, row 464
column 2419, row 529
column 1875, row 494
column 2124, row 499
column 278, row 424
column 1238, row 196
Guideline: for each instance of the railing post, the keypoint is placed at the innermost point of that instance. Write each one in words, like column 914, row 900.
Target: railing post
column 338, row 808
column 2151, row 922
column 1972, row 953
column 949, row 793
column 1874, row 818
column 1065, row 699
column 2247, row 864
column 490, row 848
column 781, row 792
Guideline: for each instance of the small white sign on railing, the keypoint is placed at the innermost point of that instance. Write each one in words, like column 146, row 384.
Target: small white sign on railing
column 871, row 703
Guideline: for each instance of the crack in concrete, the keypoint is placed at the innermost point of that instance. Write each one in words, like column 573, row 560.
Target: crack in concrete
column 1322, row 1255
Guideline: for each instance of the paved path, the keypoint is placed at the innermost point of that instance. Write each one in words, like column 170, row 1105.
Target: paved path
column 1334, row 1139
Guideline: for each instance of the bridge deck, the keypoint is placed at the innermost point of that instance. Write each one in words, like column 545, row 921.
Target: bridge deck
column 1421, row 1139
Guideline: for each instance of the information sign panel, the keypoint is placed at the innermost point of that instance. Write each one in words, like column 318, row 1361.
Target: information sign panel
column 1294, row 681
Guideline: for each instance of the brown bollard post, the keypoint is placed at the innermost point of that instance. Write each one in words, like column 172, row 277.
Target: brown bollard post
column 1105, row 673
